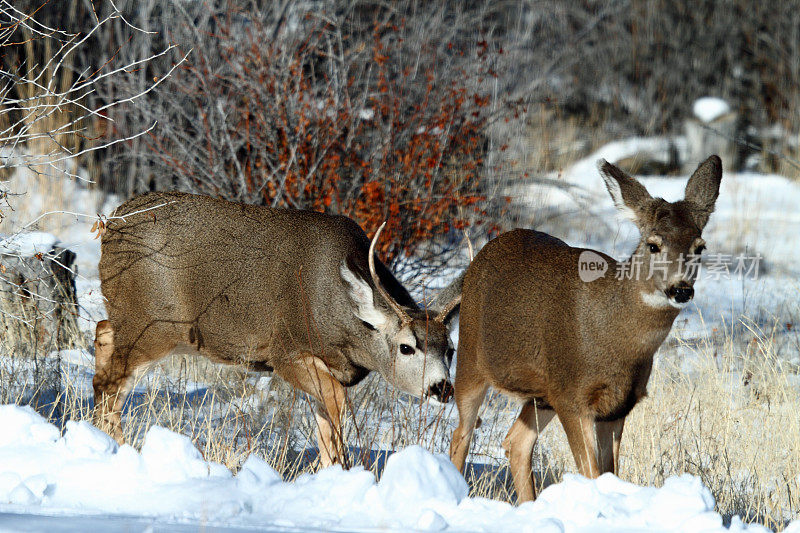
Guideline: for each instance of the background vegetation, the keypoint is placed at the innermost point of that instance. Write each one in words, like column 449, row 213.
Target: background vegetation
column 422, row 113
column 414, row 111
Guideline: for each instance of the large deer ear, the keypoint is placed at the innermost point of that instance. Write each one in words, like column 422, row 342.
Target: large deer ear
column 629, row 196
column 361, row 295
column 448, row 299
column 702, row 189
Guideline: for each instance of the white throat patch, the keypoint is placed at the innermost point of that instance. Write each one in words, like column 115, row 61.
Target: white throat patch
column 658, row 300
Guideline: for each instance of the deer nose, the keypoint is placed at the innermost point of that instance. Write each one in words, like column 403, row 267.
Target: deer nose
column 681, row 293
column 441, row 390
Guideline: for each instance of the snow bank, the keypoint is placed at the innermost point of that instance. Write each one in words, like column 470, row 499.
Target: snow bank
column 27, row 244
column 85, row 472
column 709, row 108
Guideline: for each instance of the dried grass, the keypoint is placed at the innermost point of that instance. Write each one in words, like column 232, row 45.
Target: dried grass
column 724, row 409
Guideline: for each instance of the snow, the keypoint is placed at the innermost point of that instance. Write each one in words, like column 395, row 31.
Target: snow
column 27, row 244
column 709, row 108
column 45, row 473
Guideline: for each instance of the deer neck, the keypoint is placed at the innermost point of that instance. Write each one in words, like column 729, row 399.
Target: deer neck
column 648, row 314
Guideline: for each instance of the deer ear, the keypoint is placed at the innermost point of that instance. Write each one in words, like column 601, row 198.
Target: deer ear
column 629, row 196
column 448, row 299
column 702, row 189
column 362, row 296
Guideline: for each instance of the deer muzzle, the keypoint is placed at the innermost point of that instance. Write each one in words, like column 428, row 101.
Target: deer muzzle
column 441, row 391
column 680, row 293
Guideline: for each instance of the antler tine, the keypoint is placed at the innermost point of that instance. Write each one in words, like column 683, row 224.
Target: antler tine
column 404, row 317
column 469, row 245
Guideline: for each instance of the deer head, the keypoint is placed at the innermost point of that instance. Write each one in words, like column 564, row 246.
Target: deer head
column 670, row 231
column 413, row 345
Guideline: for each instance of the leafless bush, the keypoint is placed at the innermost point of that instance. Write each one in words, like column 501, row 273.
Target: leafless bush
column 640, row 65
column 346, row 107
column 50, row 115
column 51, row 119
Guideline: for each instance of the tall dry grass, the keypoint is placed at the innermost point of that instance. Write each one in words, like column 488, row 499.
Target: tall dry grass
column 723, row 407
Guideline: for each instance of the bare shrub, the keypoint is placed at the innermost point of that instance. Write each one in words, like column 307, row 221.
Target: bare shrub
column 51, row 118
column 369, row 111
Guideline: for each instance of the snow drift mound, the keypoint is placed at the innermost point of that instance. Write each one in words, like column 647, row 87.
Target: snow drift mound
column 84, row 471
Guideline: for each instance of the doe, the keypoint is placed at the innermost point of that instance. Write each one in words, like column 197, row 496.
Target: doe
column 577, row 346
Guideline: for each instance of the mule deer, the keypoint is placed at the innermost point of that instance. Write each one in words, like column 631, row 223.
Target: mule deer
column 297, row 292
column 532, row 329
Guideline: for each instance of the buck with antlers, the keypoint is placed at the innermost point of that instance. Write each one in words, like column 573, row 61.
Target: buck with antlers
column 297, row 292
column 532, row 328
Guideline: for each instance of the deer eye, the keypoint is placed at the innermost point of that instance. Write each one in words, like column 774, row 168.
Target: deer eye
column 699, row 249
column 654, row 249
column 405, row 349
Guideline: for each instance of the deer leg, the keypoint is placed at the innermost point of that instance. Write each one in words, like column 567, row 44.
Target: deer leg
column 609, row 435
column 115, row 363
column 469, row 397
column 110, row 383
column 327, row 439
column 311, row 375
column 582, row 441
column 519, row 443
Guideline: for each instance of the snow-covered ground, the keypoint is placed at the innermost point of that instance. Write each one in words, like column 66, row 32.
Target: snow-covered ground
column 85, row 480
column 84, row 473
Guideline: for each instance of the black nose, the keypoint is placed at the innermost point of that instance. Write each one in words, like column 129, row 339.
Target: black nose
column 681, row 293
column 442, row 391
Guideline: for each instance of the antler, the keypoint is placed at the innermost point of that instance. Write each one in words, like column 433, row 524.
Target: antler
column 469, row 246
column 404, row 317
